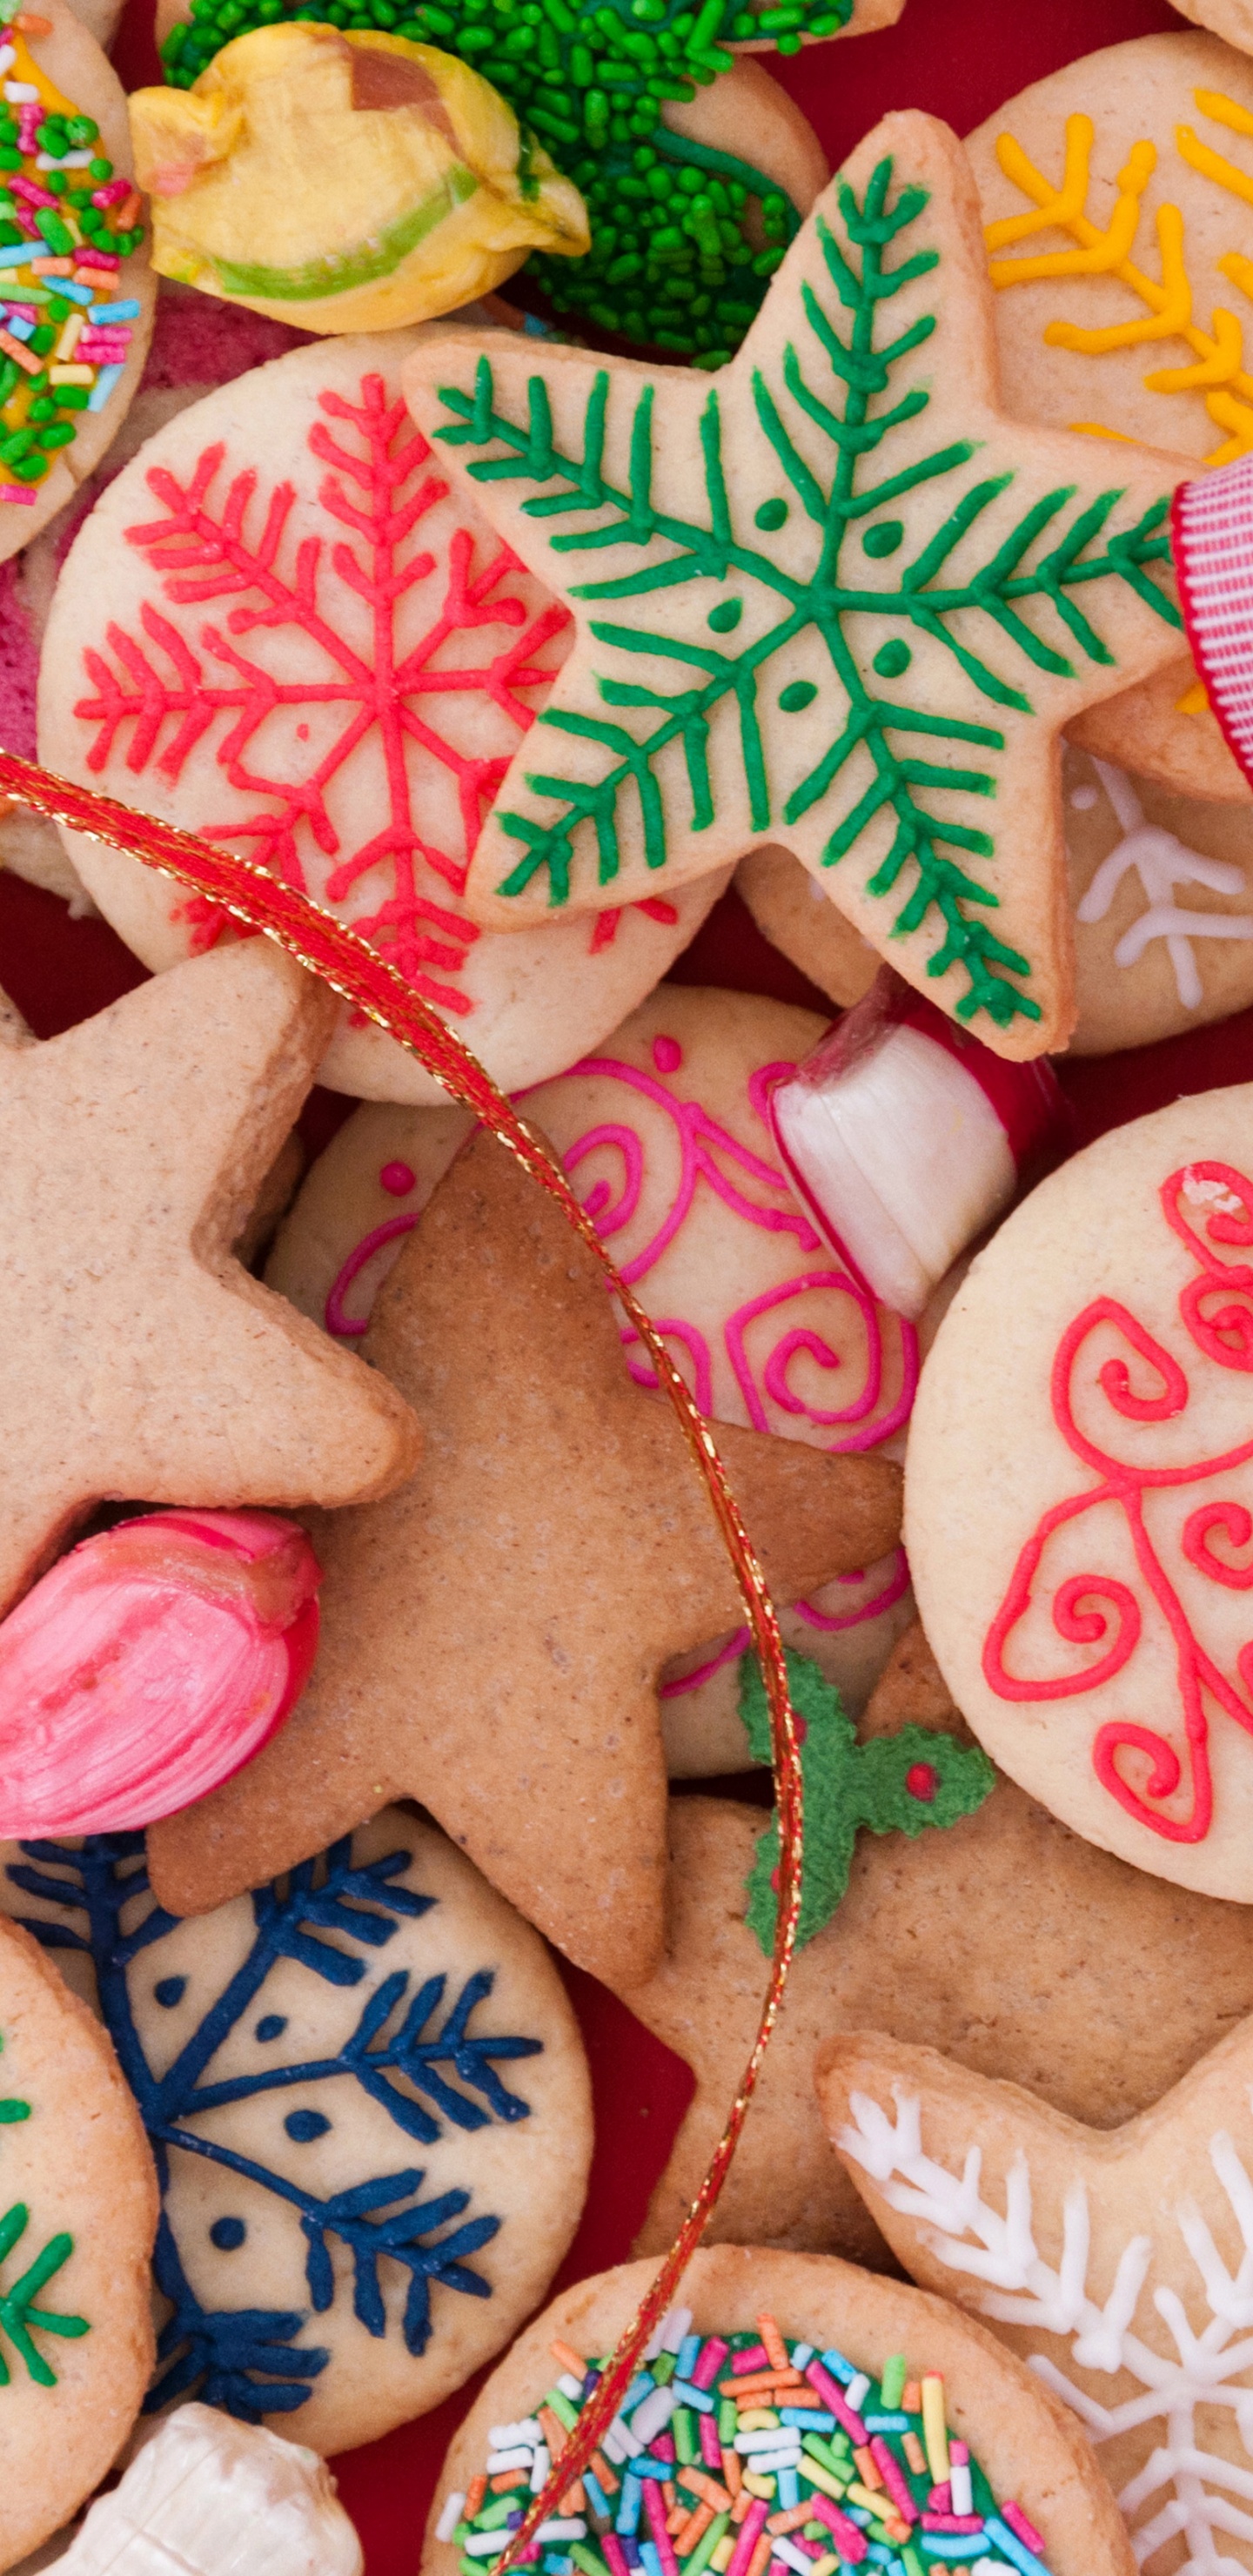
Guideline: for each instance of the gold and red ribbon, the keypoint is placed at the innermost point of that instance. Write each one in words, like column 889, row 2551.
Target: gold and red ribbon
column 329, row 949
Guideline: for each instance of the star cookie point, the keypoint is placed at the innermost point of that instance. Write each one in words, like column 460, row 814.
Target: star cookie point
column 832, row 598
column 141, row 1359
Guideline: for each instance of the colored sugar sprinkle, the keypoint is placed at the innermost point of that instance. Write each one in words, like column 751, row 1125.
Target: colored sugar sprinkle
column 684, row 238
column 749, row 2455
column 64, row 330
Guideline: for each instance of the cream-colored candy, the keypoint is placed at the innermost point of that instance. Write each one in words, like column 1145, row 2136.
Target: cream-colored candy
column 210, row 2497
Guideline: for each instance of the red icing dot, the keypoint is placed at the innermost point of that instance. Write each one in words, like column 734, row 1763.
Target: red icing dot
column 667, row 1054
column 921, row 1781
column 397, row 1180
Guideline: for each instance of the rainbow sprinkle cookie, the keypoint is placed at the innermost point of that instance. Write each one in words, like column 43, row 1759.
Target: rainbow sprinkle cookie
column 67, row 222
column 749, row 2455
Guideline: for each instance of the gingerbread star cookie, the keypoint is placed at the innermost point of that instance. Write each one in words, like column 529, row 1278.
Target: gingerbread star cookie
column 1016, row 1947
column 137, row 1359
column 492, row 1634
column 1118, row 2263
column 834, row 600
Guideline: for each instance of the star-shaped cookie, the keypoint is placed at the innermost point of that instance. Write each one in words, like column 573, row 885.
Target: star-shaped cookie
column 1007, row 1940
column 137, row 1359
column 834, row 600
column 492, row 1634
column 1119, row 2263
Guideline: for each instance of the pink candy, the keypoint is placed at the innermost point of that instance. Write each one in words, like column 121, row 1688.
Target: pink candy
column 150, row 1664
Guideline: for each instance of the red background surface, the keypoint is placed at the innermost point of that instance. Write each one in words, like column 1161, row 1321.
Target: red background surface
column 960, row 59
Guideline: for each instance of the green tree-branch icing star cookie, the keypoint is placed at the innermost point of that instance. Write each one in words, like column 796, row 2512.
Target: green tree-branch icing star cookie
column 835, row 599
column 894, row 1784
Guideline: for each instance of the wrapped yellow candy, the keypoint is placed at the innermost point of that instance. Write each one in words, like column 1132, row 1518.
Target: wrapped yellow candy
column 346, row 182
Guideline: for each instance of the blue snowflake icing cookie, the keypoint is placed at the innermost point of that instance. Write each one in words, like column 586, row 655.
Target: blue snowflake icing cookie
column 368, row 2103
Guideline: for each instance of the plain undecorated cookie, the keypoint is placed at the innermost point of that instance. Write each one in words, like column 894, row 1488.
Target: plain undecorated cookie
column 1023, row 1952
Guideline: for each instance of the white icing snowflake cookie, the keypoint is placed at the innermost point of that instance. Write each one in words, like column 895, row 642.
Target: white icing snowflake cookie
column 1119, row 2263
column 369, row 2106
column 279, row 629
column 1162, row 890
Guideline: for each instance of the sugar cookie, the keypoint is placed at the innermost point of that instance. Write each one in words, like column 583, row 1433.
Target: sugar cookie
column 664, row 1133
column 70, row 368
column 619, row 805
column 751, row 2314
column 386, row 2094
column 344, row 718
column 1113, row 2261
column 1076, row 1496
column 1115, row 192
column 79, row 2210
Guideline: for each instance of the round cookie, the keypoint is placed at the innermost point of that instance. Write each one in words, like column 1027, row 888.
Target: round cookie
column 196, row 344
column 1078, row 1491
column 73, row 77
column 808, row 2330
column 370, row 2109
column 278, row 628
column 665, row 1134
column 1146, row 333
column 78, row 2206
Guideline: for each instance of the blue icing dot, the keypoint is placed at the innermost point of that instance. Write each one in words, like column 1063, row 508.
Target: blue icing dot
column 170, row 1991
column 304, row 2125
column 271, row 2026
column 227, row 2233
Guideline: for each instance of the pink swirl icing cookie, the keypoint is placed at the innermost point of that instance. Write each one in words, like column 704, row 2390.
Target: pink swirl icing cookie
column 278, row 627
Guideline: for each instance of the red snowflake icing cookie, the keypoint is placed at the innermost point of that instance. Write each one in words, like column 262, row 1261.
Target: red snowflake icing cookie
column 277, row 628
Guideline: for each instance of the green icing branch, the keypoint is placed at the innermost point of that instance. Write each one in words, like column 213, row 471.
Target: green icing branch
column 896, row 1784
column 18, row 2314
column 1051, row 556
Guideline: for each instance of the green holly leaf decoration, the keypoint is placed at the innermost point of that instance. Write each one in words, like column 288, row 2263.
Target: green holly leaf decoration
column 834, row 599
column 895, row 1784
